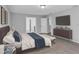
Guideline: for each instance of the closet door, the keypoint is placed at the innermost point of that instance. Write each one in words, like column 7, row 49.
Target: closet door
column 43, row 25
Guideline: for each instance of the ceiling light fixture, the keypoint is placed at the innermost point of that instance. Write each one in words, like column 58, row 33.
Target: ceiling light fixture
column 43, row 6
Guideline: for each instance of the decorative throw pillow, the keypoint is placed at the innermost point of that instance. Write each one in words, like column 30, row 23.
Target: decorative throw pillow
column 9, row 49
column 17, row 36
column 9, row 38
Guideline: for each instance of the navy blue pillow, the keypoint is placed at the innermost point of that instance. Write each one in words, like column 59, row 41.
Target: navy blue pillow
column 17, row 36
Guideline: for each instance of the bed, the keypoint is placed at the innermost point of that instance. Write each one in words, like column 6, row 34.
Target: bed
column 5, row 48
column 28, row 40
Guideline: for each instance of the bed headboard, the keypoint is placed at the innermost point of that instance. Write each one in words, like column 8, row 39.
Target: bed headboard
column 3, row 32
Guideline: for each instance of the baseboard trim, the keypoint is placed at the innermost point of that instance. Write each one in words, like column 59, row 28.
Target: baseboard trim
column 62, row 37
column 70, row 40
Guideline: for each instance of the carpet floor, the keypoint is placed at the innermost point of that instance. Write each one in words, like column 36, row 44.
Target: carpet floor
column 61, row 46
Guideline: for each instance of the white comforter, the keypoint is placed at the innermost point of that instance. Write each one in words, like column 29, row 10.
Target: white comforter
column 28, row 42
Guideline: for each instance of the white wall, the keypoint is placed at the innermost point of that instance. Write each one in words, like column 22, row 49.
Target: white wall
column 6, row 8
column 19, row 21
column 74, row 13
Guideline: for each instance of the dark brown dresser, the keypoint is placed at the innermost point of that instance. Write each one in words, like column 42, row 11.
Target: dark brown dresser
column 63, row 33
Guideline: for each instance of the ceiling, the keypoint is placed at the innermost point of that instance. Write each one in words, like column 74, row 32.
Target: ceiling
column 36, row 10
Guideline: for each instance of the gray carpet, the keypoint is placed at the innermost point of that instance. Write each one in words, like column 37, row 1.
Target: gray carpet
column 61, row 46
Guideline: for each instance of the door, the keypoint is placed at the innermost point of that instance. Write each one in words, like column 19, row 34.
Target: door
column 43, row 25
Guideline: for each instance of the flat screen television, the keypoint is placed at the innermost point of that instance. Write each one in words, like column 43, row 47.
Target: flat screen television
column 63, row 20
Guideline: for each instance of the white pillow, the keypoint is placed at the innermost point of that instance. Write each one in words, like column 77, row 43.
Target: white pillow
column 10, row 32
column 9, row 38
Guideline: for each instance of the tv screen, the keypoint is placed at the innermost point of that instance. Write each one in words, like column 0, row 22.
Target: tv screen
column 63, row 20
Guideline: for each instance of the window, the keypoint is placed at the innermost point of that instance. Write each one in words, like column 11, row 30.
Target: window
column 30, row 24
column 3, row 16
